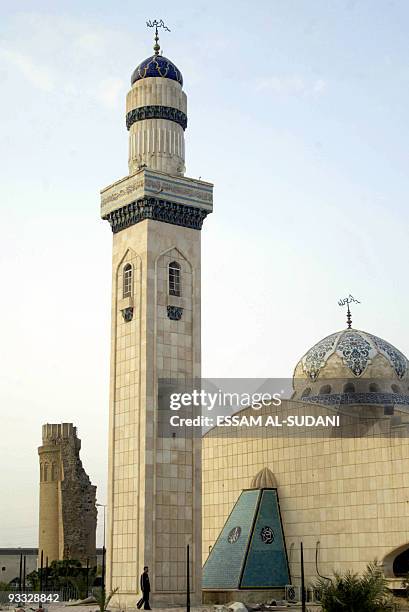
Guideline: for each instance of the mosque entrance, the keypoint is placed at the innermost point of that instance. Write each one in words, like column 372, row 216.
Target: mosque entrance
column 396, row 563
column 401, row 564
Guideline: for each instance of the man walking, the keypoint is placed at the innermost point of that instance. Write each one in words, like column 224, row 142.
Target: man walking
column 145, row 588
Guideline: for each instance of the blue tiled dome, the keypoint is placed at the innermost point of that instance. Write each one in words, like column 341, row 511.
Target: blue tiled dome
column 357, row 349
column 157, row 66
column 356, row 367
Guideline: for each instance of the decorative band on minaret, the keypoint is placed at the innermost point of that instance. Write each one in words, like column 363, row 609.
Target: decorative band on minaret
column 158, row 210
column 156, row 112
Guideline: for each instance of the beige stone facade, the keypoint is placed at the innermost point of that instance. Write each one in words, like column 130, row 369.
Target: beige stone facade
column 68, row 514
column 343, row 492
column 154, row 509
column 349, row 495
column 154, row 483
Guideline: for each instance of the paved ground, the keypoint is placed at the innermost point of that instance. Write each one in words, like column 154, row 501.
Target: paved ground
column 94, row 608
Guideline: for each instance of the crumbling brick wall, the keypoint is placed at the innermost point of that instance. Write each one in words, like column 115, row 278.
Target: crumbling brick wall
column 78, row 499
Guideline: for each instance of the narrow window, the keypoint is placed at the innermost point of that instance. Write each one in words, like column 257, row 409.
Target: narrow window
column 349, row 388
column 45, row 472
column 174, row 279
column 396, row 388
column 127, row 288
column 306, row 392
column 374, row 388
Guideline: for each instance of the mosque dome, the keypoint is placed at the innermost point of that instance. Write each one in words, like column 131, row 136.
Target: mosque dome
column 157, row 66
column 352, row 362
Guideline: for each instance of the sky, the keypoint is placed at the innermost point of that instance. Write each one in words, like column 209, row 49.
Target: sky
column 298, row 115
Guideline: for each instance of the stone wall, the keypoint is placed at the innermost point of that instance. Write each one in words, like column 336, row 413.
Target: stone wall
column 78, row 497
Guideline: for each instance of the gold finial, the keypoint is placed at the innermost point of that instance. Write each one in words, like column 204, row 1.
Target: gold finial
column 348, row 301
column 157, row 23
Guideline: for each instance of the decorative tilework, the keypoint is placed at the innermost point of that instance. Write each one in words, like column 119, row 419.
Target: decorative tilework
column 340, row 399
column 316, row 357
column 223, row 567
column 357, row 349
column 266, row 563
column 155, row 111
column 395, row 357
column 158, row 210
column 127, row 314
column 174, row 312
column 157, row 66
column 250, row 551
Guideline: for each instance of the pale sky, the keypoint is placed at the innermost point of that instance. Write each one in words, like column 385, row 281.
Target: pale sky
column 298, row 114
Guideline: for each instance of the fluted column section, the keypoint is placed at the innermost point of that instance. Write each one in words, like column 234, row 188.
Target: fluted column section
column 158, row 144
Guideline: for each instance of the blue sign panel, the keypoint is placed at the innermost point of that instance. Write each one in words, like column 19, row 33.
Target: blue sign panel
column 266, row 564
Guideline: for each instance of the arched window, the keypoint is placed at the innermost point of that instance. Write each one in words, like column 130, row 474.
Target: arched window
column 127, row 281
column 396, row 388
column 374, row 388
column 306, row 392
column 174, row 279
column 349, row 388
column 325, row 390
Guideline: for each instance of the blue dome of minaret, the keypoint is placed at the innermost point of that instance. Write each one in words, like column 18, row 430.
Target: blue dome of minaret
column 157, row 66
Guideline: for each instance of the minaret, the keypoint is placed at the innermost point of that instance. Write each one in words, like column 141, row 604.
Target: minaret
column 156, row 214
column 68, row 515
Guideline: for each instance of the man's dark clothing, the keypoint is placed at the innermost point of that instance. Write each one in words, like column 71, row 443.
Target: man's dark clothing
column 145, row 588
